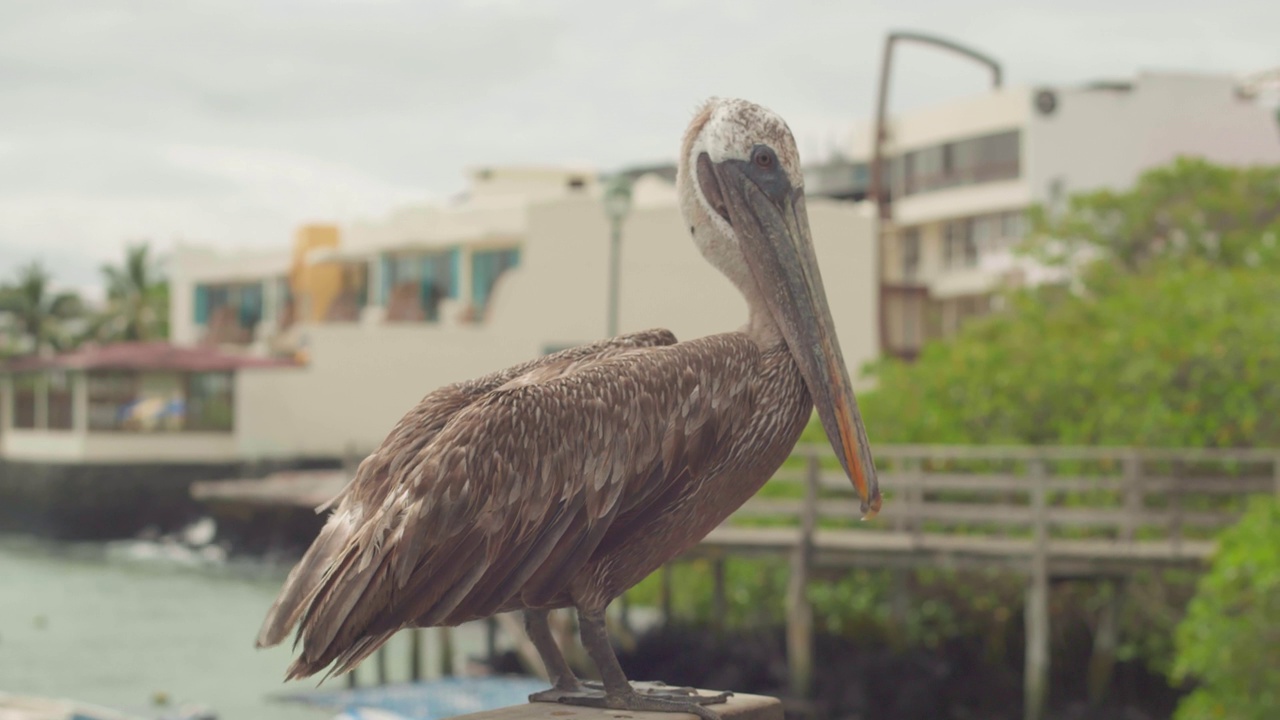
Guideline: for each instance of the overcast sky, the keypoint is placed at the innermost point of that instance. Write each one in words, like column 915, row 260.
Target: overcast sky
column 232, row 121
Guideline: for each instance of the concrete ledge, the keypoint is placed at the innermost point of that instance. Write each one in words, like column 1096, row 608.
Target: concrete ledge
column 739, row 707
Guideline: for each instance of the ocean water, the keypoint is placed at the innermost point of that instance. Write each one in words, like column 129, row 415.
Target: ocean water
column 127, row 624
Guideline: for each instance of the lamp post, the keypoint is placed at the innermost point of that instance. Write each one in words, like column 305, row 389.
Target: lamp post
column 878, row 193
column 617, row 203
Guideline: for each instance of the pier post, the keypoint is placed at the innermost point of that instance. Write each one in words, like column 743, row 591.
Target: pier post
column 491, row 640
column 415, row 654
column 446, row 651
column 719, row 604
column 1275, row 474
column 524, row 647
column 1102, row 659
column 799, row 610
column 665, row 593
column 1132, row 498
column 624, row 612
column 1176, row 509
column 380, row 662
column 1036, row 664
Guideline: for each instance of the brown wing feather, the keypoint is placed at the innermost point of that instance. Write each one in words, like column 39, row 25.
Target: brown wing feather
column 516, row 491
column 360, row 500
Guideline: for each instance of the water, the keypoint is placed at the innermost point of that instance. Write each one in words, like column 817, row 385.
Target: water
column 121, row 624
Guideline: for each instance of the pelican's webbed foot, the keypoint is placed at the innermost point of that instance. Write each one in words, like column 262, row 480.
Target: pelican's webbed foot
column 657, row 688
column 638, row 701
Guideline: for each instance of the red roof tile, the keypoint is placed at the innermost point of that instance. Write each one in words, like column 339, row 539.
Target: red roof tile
column 144, row 356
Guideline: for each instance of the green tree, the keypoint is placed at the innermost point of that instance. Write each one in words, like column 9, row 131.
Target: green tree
column 1230, row 638
column 137, row 299
column 1190, row 209
column 1184, row 357
column 42, row 315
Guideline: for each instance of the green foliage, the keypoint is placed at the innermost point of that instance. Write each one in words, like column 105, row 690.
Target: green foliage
column 1168, row 343
column 137, row 299
column 1230, row 638
column 1181, row 358
column 1191, row 209
column 42, row 316
column 137, row 307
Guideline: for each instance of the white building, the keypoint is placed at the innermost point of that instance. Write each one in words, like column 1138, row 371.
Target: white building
column 963, row 174
column 376, row 315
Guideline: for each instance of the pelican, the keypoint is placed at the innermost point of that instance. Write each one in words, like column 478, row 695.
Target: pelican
column 566, row 480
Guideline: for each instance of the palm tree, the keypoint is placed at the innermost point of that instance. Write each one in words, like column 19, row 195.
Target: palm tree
column 40, row 314
column 137, row 298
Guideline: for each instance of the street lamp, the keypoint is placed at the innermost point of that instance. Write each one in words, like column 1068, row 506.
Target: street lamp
column 879, row 194
column 617, row 203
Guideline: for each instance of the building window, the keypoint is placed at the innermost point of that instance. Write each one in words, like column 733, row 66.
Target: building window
column 235, row 308
column 1013, row 225
column 61, row 401
column 416, row 284
column 210, row 405
column 910, row 253
column 986, row 232
column 486, row 267
column 959, row 248
column 111, row 396
column 26, row 387
column 965, row 162
column 353, row 295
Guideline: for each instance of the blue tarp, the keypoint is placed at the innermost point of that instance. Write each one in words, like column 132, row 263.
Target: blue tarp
column 428, row 700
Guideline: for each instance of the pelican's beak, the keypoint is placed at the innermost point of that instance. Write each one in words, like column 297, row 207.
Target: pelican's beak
column 769, row 218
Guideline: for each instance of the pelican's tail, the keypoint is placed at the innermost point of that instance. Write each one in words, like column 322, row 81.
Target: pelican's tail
column 306, row 578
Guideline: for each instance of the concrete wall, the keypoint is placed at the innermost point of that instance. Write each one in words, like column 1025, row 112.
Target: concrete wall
column 118, row 447
column 97, row 501
column 363, row 377
column 1004, row 109
column 963, row 201
column 1100, row 138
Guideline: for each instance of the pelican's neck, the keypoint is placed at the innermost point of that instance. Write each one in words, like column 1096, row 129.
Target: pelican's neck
column 761, row 326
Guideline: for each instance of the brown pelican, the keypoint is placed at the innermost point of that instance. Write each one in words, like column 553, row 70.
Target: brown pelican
column 565, row 481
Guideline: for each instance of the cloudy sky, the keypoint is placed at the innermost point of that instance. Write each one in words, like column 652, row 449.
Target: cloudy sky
column 231, row 121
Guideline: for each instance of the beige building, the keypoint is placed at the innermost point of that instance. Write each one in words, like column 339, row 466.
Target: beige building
column 963, row 174
column 514, row 268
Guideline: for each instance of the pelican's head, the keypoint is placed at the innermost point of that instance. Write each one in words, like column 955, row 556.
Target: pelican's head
column 742, row 194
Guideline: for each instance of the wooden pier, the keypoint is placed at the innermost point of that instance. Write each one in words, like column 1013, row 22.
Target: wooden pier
column 1047, row 513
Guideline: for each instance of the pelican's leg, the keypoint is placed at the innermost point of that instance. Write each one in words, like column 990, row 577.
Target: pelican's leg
column 562, row 678
column 619, row 694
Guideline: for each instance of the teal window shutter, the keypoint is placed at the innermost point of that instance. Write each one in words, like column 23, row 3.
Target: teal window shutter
column 385, row 281
column 202, row 304
column 481, row 264
column 455, row 272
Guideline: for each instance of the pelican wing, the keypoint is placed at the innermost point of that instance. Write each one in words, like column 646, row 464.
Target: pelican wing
column 517, row 490
column 382, row 472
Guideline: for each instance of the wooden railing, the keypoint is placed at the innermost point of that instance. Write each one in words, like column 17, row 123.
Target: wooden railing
column 1044, row 511
column 1100, row 510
